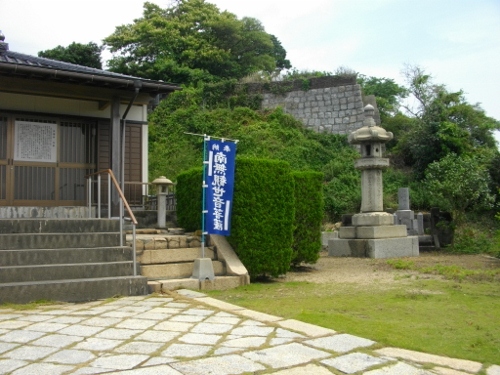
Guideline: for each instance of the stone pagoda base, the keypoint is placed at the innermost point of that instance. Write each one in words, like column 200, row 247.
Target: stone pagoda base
column 373, row 235
column 374, row 248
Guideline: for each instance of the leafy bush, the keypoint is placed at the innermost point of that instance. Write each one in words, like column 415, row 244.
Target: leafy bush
column 263, row 214
column 189, row 195
column 308, row 217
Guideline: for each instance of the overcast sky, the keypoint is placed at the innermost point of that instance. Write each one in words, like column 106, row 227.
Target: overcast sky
column 457, row 41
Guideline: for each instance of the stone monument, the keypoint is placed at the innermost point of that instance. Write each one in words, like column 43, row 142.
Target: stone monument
column 373, row 233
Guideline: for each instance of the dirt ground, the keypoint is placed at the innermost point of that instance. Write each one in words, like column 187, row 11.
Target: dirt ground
column 367, row 271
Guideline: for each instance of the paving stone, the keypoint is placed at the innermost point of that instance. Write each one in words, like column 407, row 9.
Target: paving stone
column 224, row 350
column 2, row 331
column 118, row 333
column 119, row 362
column 457, row 364
column 139, row 347
column 353, row 362
column 80, row 330
column 9, row 316
column 251, row 322
column 46, row 327
column 304, row 370
column 155, row 361
column 245, row 342
column 187, row 318
column 229, row 364
column 448, row 371
column 90, row 370
column 30, row 353
column 279, row 341
column 211, row 328
column 174, row 326
column 8, row 365
column 286, row 355
column 118, row 314
column 186, row 351
column 259, row 316
column 283, row 333
column 305, row 328
column 157, row 317
column 21, row 336
column 66, row 319
column 160, row 299
column 179, row 305
column 43, row 369
column 223, row 320
column 14, row 324
column 135, row 324
column 4, row 347
column 190, row 293
column 252, row 331
column 340, row 343
column 220, row 304
column 200, row 338
column 54, row 312
column 71, row 357
column 102, row 322
column 57, row 341
column 35, row 318
column 493, row 370
column 200, row 312
column 157, row 336
column 98, row 344
column 156, row 370
column 165, row 310
column 135, row 309
column 399, row 369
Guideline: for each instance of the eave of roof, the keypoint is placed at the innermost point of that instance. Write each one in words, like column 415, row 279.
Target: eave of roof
column 14, row 64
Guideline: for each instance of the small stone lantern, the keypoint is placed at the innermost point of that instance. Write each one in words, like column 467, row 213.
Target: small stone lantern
column 162, row 183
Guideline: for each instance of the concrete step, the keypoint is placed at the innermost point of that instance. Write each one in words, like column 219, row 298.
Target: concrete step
column 162, row 256
column 60, row 256
column 177, row 270
column 219, row 283
column 59, row 225
column 36, row 273
column 73, row 290
column 58, row 240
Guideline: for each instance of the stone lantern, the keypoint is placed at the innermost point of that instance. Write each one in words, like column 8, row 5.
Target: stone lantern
column 162, row 183
column 372, row 233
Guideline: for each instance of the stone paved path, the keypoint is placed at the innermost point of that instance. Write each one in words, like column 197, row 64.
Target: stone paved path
column 190, row 333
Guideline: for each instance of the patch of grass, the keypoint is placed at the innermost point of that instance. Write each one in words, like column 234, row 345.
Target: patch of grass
column 27, row 306
column 401, row 264
column 441, row 317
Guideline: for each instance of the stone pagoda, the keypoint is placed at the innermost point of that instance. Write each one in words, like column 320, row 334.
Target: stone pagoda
column 373, row 233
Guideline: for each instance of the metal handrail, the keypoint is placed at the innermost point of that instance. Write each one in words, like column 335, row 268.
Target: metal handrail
column 123, row 203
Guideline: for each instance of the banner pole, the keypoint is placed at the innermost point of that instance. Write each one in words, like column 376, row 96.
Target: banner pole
column 204, row 206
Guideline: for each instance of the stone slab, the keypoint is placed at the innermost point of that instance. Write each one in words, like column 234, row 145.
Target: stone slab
column 229, row 364
column 340, row 343
column 493, row 370
column 307, row 329
column 381, row 231
column 399, row 369
column 310, row 369
column 353, row 362
column 375, row 248
column 457, row 364
column 286, row 355
column 372, row 219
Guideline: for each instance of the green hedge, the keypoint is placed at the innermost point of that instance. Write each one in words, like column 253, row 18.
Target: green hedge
column 189, row 199
column 263, row 214
column 308, row 216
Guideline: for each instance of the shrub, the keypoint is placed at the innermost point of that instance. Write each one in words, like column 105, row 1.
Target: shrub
column 262, row 217
column 308, row 217
column 189, row 199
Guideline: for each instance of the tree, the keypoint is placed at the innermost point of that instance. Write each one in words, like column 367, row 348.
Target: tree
column 76, row 53
column 192, row 41
column 444, row 123
column 387, row 93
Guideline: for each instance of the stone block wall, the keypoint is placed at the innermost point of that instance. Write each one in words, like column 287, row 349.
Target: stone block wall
column 327, row 106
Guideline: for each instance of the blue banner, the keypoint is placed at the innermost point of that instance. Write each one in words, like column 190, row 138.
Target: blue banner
column 220, row 184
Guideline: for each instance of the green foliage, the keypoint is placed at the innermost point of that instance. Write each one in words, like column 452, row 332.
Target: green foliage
column 193, row 41
column 76, row 53
column 459, row 184
column 387, row 93
column 263, row 215
column 308, row 217
column 189, row 199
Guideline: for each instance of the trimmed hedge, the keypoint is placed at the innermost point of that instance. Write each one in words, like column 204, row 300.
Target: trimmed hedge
column 189, row 197
column 308, row 216
column 263, row 214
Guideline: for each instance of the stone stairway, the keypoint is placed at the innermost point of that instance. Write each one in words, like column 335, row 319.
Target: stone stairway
column 167, row 260
column 65, row 260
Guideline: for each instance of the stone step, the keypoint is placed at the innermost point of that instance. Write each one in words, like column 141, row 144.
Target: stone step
column 36, row 273
column 177, row 270
column 58, row 240
column 73, row 290
column 58, row 225
column 60, row 256
column 162, row 256
column 219, row 283
column 164, row 241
